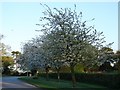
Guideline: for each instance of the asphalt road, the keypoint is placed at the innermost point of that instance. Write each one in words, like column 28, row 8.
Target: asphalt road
column 14, row 82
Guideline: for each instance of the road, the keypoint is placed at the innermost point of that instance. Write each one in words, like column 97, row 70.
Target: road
column 14, row 82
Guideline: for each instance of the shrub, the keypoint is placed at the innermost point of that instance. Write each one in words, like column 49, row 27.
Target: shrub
column 35, row 77
column 14, row 73
column 105, row 79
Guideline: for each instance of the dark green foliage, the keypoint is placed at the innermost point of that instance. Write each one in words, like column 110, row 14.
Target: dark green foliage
column 6, row 71
column 109, row 80
column 33, row 72
column 14, row 73
column 117, row 66
column 105, row 79
column 106, row 67
column 6, row 62
column 35, row 77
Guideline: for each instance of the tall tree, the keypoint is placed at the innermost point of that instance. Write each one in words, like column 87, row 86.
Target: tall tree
column 117, row 64
column 107, row 56
column 1, row 37
column 31, row 58
column 16, row 55
column 4, row 51
column 6, row 62
column 75, row 40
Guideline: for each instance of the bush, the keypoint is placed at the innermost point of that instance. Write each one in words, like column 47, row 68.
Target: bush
column 14, row 73
column 35, row 77
column 109, row 80
column 104, row 79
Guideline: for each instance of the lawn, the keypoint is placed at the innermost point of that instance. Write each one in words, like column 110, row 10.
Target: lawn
column 53, row 83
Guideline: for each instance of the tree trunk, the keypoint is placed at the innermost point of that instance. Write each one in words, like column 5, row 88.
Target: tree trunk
column 47, row 75
column 27, row 74
column 73, row 75
column 58, row 74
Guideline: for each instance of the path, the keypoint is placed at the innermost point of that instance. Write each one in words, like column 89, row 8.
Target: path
column 14, row 82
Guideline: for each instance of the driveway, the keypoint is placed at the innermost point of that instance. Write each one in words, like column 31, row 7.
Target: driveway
column 14, row 82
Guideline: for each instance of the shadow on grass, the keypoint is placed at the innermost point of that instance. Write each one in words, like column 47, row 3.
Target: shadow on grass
column 53, row 84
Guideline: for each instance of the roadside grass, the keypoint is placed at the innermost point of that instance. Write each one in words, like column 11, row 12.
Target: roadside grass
column 53, row 83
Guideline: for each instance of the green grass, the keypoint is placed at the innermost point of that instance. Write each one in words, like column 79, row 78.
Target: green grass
column 53, row 83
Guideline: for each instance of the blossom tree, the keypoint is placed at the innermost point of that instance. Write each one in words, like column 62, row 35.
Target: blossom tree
column 71, row 37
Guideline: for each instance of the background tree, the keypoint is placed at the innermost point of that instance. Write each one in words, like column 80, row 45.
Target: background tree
column 4, row 55
column 7, row 61
column 54, row 50
column 16, row 55
column 79, row 68
column 1, row 37
column 31, row 58
column 107, row 58
column 117, row 64
column 4, row 49
column 46, row 56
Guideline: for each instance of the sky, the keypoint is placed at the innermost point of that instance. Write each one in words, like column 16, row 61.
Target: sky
column 19, row 19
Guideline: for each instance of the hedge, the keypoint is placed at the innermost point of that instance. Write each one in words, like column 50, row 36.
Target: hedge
column 104, row 79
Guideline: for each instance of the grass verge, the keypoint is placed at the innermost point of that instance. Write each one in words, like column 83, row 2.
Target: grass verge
column 53, row 83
